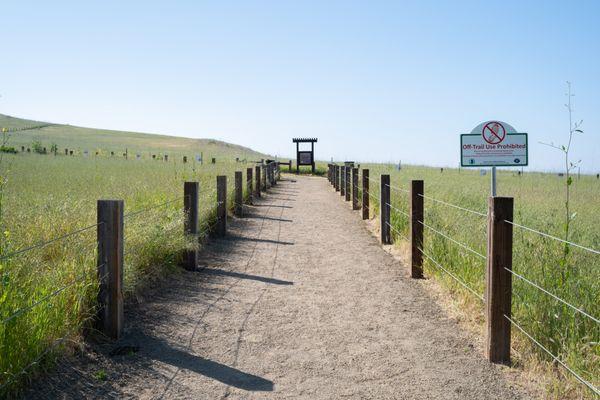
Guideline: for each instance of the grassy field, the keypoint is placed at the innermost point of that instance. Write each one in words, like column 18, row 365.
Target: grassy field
column 539, row 204
column 47, row 294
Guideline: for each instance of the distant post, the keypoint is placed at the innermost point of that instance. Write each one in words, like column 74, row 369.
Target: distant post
column 343, row 181
column 257, row 183
column 347, row 182
column 365, row 194
column 249, row 184
column 498, row 289
column 190, row 224
column 110, row 267
column 416, row 228
column 355, row 189
column 239, row 190
column 384, row 210
column 264, row 177
column 221, row 228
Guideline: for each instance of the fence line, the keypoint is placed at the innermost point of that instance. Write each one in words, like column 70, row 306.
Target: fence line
column 397, row 231
column 464, row 246
column 398, row 188
column 105, row 242
column 498, row 260
column 46, row 243
column 555, row 358
column 55, row 293
column 579, row 310
column 553, row 237
column 454, row 205
column 37, row 360
column 436, row 263
column 398, row 210
column 152, row 207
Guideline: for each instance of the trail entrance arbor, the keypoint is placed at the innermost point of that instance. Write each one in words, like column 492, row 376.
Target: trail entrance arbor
column 305, row 157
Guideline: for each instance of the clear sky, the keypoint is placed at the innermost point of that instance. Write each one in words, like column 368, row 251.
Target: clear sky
column 383, row 81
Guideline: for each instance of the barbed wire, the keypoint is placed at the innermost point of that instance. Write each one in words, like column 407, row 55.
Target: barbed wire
column 453, row 205
column 46, row 351
column 555, row 358
column 37, row 360
column 46, row 243
column 373, row 196
column 152, row 207
column 553, row 295
column 397, row 231
column 464, row 246
column 594, row 251
column 398, row 210
column 374, row 180
column 480, row 297
column 55, row 293
column 399, row 189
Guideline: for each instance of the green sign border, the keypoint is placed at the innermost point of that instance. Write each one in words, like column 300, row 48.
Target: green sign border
column 495, row 165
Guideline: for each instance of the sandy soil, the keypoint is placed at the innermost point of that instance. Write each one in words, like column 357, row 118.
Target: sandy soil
column 299, row 301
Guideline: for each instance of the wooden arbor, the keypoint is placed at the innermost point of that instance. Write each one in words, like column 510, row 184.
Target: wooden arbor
column 306, row 157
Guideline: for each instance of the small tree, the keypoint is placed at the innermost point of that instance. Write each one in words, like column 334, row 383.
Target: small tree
column 574, row 128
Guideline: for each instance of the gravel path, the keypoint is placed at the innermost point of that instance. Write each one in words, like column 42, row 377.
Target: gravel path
column 299, row 301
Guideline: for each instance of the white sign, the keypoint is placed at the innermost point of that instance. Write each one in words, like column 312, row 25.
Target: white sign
column 493, row 144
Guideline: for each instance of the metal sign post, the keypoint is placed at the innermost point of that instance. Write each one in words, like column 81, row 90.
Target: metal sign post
column 493, row 182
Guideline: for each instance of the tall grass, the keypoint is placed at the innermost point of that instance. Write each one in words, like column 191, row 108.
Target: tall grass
column 52, row 289
column 571, row 336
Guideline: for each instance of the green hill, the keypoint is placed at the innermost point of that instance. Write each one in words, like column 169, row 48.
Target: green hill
column 23, row 133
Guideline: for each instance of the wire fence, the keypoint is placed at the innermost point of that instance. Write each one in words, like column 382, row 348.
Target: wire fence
column 47, row 341
column 445, row 270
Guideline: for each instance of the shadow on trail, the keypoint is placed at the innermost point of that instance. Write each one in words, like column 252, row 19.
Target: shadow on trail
column 267, row 218
column 234, row 238
column 159, row 350
column 221, row 272
column 280, row 198
column 272, row 205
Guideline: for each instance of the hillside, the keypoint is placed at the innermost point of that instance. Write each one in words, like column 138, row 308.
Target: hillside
column 24, row 132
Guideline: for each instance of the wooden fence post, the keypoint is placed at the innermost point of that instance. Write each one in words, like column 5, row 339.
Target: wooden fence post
column 498, row 289
column 110, row 267
column 249, row 184
column 239, row 191
column 416, row 228
column 365, row 194
column 355, row 189
column 264, row 178
column 221, row 205
column 343, row 180
column 384, row 210
column 347, row 182
column 190, row 224
column 336, row 184
column 257, row 181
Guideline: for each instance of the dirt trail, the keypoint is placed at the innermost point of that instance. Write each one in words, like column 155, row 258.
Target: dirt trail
column 300, row 301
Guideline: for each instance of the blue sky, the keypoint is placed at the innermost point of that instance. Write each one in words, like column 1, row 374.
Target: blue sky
column 383, row 81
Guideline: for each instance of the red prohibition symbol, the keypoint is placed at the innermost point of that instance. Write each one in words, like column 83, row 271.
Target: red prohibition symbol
column 493, row 132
